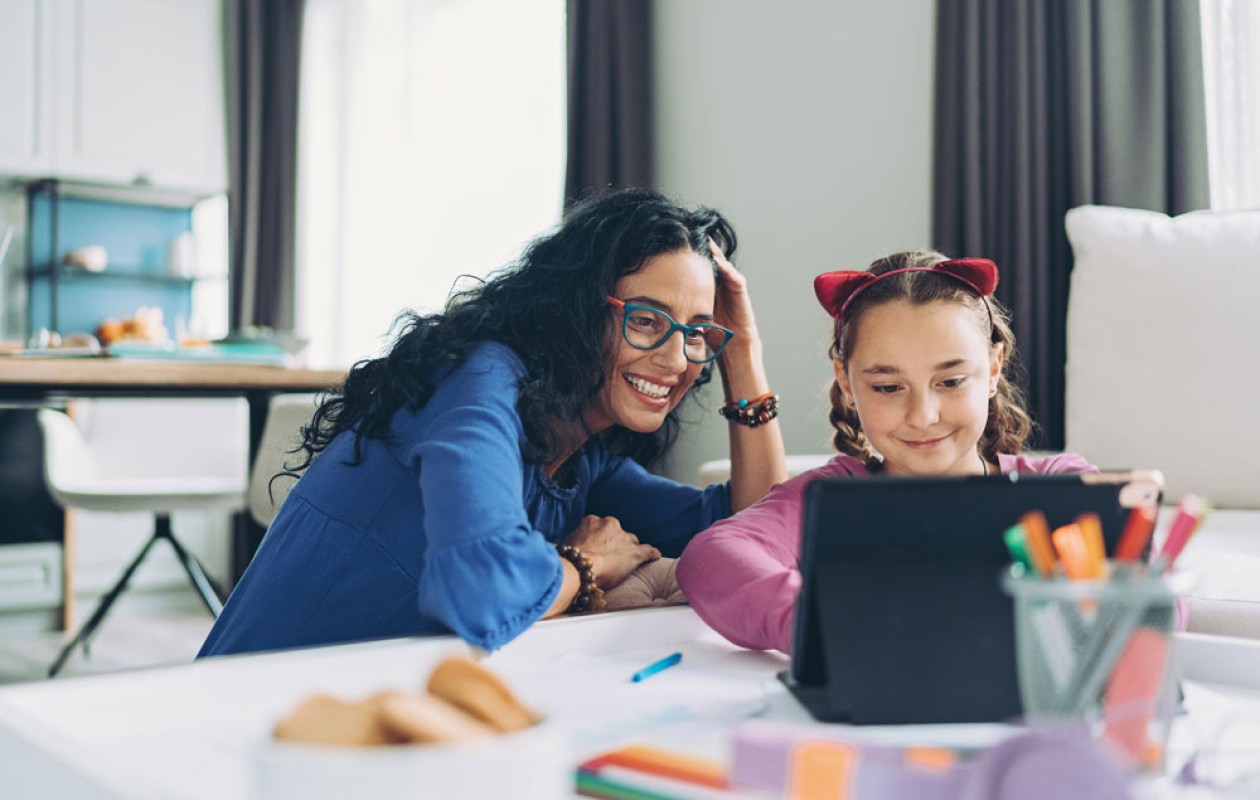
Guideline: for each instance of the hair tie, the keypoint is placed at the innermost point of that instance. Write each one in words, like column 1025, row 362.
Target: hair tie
column 837, row 290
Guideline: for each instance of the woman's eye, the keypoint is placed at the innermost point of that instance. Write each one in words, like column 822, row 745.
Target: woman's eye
column 954, row 383
column 698, row 333
column 645, row 322
column 885, row 388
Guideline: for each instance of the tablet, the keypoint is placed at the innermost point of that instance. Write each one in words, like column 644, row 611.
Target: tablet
column 901, row 617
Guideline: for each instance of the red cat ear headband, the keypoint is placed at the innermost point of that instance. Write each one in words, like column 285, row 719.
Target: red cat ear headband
column 836, row 290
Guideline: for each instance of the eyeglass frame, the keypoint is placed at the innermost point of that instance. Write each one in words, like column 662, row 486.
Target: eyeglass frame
column 674, row 326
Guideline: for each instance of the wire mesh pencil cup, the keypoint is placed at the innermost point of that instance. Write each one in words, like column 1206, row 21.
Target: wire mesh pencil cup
column 1100, row 653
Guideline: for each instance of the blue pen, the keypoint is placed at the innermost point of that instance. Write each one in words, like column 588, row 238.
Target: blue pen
column 653, row 668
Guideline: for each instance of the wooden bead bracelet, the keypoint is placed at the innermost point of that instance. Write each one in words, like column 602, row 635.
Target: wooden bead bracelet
column 589, row 597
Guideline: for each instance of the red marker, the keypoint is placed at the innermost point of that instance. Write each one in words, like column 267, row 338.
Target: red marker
column 1137, row 532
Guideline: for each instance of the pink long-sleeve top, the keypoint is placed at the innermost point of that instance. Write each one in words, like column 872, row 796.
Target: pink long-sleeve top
column 742, row 576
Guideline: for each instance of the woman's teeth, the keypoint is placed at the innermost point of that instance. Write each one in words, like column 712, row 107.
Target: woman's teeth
column 646, row 387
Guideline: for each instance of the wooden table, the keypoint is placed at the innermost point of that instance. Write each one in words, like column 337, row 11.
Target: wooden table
column 47, row 381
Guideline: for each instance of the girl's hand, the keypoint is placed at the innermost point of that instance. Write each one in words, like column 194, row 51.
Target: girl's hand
column 613, row 552
column 732, row 306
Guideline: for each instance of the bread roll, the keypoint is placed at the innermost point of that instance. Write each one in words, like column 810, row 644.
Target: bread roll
column 466, row 684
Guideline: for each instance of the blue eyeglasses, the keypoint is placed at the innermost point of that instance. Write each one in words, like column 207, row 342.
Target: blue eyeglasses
column 647, row 328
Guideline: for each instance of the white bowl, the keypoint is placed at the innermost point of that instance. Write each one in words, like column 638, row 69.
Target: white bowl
column 91, row 257
column 534, row 764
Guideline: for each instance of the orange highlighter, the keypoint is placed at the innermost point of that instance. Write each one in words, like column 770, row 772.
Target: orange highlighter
column 1037, row 539
column 1069, row 543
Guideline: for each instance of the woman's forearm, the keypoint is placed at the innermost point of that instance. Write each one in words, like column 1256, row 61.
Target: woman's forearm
column 758, row 461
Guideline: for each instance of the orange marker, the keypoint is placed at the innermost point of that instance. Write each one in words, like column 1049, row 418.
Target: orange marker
column 1037, row 538
column 1069, row 541
column 1091, row 529
column 667, row 764
column 1137, row 532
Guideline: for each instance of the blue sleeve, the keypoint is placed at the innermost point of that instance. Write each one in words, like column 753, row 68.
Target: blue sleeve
column 488, row 575
column 660, row 511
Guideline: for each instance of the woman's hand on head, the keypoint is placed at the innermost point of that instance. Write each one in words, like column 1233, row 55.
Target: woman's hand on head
column 733, row 306
column 613, row 552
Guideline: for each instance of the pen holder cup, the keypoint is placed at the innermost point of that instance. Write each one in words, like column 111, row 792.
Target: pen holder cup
column 1100, row 654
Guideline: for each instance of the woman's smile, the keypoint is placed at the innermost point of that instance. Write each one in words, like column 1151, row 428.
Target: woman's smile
column 651, row 390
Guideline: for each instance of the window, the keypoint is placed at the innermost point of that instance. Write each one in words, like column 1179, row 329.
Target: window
column 1231, row 70
column 431, row 145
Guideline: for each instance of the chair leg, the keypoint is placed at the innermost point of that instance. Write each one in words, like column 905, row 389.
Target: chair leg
column 89, row 627
column 205, row 587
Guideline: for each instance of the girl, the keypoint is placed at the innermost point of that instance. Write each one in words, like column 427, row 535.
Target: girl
column 489, row 470
column 921, row 353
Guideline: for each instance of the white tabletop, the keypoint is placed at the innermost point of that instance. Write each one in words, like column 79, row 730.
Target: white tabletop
column 194, row 731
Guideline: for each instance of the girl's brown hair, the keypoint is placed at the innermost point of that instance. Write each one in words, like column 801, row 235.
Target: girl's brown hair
column 1008, row 425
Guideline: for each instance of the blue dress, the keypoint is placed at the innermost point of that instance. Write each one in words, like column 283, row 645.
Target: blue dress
column 442, row 529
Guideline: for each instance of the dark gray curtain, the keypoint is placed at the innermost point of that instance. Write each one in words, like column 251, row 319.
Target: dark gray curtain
column 1042, row 105
column 610, row 95
column 264, row 40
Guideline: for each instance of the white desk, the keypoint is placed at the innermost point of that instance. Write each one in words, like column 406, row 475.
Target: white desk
column 193, row 731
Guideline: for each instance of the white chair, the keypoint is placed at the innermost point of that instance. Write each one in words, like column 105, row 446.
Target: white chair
column 282, row 433
column 104, row 461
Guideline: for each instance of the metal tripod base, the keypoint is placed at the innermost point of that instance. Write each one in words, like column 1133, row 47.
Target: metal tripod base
column 205, row 587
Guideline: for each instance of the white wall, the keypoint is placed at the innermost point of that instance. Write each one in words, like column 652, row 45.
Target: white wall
column 809, row 124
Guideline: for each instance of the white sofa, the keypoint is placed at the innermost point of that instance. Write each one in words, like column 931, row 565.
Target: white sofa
column 1163, row 370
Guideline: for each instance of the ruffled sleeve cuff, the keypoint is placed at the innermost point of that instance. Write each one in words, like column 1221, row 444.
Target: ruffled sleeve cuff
column 490, row 590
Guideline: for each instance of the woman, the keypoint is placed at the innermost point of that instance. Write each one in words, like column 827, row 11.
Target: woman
column 489, row 470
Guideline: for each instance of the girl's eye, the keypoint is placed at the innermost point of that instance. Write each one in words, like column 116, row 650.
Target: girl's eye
column 954, row 383
column 885, row 388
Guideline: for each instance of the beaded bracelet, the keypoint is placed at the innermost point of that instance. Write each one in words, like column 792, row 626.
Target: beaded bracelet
column 589, row 597
column 754, row 412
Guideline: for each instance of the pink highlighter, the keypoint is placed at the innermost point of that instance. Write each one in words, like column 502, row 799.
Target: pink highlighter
column 1132, row 692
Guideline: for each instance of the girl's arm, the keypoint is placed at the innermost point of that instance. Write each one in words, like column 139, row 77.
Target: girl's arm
column 757, row 457
column 741, row 575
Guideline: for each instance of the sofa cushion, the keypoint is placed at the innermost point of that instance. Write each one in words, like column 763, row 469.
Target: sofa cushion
column 1163, row 347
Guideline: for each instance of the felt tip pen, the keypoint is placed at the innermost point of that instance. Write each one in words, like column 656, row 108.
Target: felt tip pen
column 1136, row 534
column 1190, row 514
column 655, row 667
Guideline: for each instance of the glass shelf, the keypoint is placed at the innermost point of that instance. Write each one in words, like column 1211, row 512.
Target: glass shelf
column 119, row 274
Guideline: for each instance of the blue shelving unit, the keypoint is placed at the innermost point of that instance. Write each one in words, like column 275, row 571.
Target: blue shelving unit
column 134, row 224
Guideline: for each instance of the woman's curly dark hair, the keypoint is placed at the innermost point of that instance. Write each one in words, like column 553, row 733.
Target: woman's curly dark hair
column 551, row 308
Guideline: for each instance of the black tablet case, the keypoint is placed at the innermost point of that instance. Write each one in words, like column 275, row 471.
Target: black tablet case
column 901, row 617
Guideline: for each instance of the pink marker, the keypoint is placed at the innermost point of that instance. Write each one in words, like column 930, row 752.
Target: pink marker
column 1190, row 513
column 1133, row 693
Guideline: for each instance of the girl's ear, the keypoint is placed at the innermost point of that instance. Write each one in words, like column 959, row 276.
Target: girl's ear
column 843, row 380
column 997, row 354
